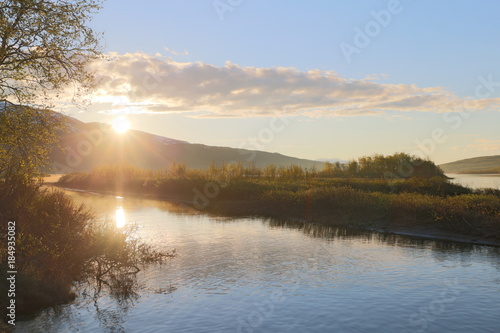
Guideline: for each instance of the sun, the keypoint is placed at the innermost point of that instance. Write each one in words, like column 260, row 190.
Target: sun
column 120, row 124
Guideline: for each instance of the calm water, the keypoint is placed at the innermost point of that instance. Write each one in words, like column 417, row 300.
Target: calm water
column 255, row 275
column 476, row 181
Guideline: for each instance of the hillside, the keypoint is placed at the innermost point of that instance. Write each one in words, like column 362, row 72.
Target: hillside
column 87, row 145
column 483, row 164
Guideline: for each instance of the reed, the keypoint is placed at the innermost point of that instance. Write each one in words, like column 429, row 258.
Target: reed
column 310, row 194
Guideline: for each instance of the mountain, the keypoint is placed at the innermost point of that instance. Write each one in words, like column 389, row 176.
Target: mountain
column 332, row 160
column 88, row 145
column 483, row 164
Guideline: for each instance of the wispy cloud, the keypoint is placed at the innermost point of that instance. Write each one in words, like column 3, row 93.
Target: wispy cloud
column 485, row 145
column 161, row 84
column 176, row 52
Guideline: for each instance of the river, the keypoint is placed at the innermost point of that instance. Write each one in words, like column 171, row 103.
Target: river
column 258, row 275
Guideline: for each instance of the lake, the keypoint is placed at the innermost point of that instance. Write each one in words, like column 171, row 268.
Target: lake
column 476, row 181
column 259, row 275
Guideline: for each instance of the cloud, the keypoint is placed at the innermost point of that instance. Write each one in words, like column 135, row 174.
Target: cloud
column 485, row 145
column 175, row 52
column 158, row 84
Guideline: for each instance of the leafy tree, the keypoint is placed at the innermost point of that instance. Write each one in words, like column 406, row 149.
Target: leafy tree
column 46, row 45
column 353, row 168
column 26, row 138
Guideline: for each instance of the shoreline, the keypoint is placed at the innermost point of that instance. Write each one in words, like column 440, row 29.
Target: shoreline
column 440, row 235
column 233, row 209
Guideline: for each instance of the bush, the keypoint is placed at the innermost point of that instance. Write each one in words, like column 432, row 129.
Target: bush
column 59, row 243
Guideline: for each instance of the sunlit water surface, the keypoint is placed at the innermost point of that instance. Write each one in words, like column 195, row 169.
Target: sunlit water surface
column 255, row 275
column 476, row 181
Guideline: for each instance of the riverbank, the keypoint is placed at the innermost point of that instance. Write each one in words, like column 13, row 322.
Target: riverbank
column 239, row 209
column 432, row 208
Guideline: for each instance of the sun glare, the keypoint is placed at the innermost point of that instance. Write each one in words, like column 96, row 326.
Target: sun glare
column 121, row 124
column 120, row 217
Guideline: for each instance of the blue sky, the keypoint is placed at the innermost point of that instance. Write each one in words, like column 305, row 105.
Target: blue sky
column 219, row 76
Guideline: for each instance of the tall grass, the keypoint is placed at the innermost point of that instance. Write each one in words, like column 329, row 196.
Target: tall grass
column 311, row 194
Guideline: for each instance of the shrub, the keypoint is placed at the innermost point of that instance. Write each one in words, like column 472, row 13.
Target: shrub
column 59, row 243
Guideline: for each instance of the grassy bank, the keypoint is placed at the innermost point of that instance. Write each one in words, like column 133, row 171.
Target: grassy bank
column 327, row 197
column 58, row 243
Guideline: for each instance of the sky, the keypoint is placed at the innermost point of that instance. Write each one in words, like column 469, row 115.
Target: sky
column 309, row 79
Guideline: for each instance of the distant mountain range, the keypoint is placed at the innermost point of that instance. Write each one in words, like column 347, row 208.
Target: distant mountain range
column 332, row 160
column 88, row 145
column 476, row 165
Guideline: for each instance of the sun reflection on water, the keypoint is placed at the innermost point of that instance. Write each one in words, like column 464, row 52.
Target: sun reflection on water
column 120, row 217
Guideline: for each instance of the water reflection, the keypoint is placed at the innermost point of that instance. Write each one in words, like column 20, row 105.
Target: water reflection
column 112, row 313
column 120, row 213
column 333, row 233
column 120, row 217
column 327, row 278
